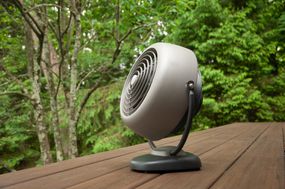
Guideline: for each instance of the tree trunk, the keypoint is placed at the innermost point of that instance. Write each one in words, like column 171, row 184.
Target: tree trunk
column 34, row 51
column 41, row 127
column 56, row 129
column 42, row 130
column 73, row 151
column 47, row 64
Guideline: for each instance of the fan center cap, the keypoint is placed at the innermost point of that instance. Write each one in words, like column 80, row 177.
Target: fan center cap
column 134, row 80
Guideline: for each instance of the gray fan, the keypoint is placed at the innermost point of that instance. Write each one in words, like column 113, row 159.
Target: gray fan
column 162, row 93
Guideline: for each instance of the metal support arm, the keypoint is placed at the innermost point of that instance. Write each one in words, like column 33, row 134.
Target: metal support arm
column 188, row 124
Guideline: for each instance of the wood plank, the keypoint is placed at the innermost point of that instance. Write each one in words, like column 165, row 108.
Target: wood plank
column 215, row 162
column 29, row 174
column 37, row 172
column 261, row 166
column 83, row 173
column 283, row 132
column 125, row 178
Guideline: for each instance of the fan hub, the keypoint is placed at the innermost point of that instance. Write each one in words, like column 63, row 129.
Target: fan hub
column 133, row 81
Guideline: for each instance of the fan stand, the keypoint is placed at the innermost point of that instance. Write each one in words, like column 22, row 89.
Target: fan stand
column 170, row 158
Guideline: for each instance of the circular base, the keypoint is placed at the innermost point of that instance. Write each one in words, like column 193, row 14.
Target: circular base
column 154, row 163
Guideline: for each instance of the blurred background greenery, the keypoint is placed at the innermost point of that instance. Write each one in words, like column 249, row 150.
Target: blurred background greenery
column 239, row 44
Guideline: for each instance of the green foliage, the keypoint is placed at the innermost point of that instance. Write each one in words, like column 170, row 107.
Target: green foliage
column 240, row 46
column 239, row 49
column 101, row 127
column 18, row 144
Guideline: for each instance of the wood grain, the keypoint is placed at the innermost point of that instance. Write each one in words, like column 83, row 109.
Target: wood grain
column 261, row 166
column 215, row 162
column 75, row 175
column 283, row 133
column 37, row 172
column 125, row 178
column 239, row 155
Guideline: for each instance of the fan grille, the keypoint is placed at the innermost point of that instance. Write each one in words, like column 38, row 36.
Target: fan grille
column 139, row 81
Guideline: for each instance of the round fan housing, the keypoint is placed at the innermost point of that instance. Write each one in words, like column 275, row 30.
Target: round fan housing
column 154, row 97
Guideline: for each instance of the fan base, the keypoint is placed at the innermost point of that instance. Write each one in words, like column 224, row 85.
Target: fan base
column 184, row 161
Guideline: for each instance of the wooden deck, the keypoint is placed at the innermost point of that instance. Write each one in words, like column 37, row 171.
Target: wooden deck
column 239, row 155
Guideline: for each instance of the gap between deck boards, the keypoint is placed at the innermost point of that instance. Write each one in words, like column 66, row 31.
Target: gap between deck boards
column 117, row 174
column 222, row 130
column 49, row 180
column 193, row 180
column 34, row 173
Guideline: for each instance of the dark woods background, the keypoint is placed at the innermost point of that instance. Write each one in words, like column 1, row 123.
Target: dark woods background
column 63, row 64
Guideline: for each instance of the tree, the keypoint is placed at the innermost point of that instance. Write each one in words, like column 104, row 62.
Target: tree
column 53, row 46
column 234, row 50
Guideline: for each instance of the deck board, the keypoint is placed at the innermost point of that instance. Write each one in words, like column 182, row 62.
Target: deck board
column 245, row 173
column 226, row 153
column 116, row 179
column 80, row 174
column 215, row 162
column 37, row 172
column 283, row 133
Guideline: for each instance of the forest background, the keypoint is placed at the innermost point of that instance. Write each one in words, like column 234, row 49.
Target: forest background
column 63, row 65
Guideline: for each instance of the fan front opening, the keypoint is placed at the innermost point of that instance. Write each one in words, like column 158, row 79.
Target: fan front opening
column 139, row 81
